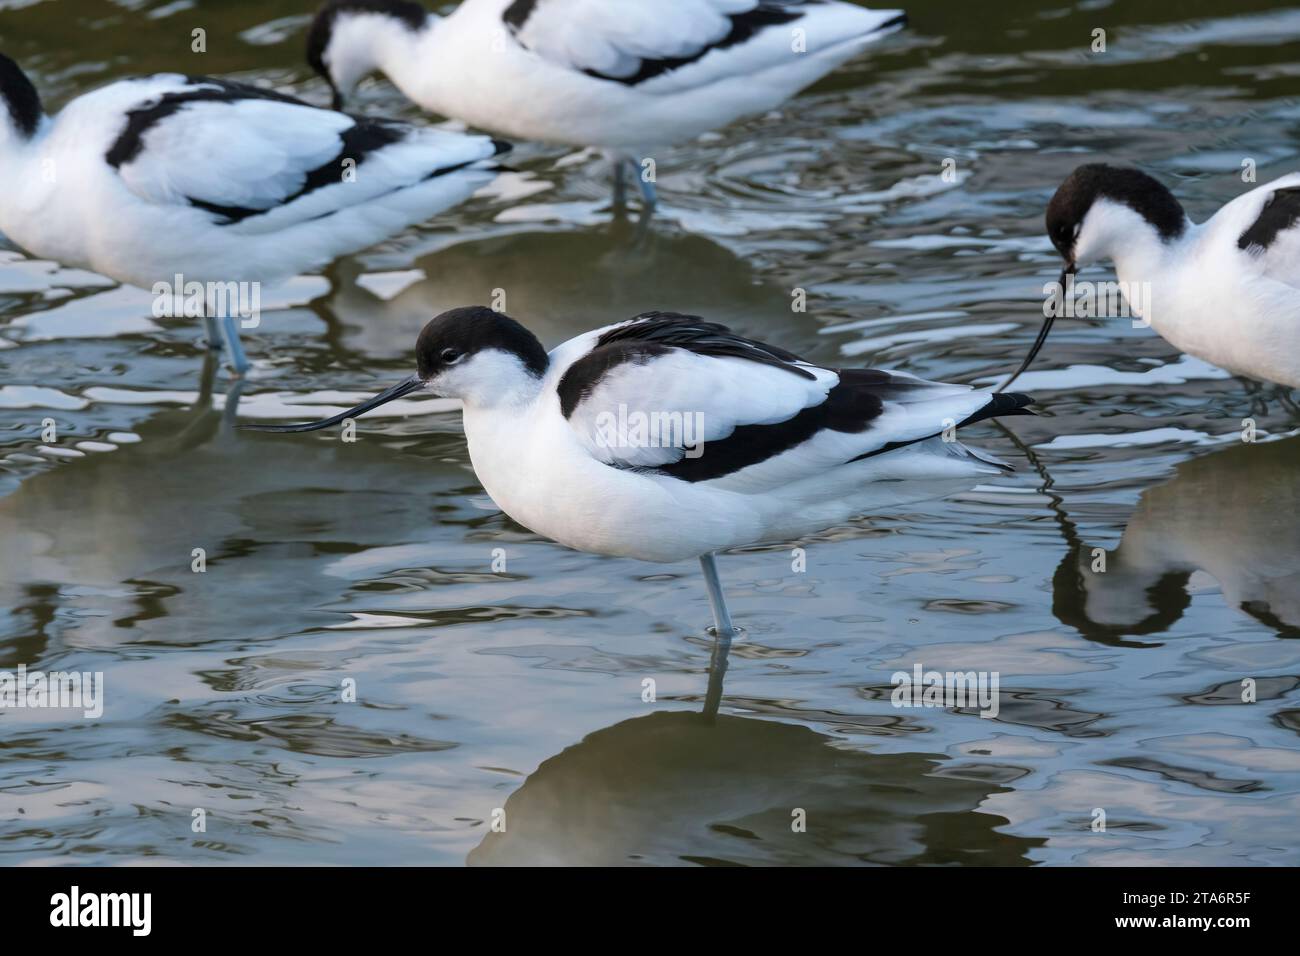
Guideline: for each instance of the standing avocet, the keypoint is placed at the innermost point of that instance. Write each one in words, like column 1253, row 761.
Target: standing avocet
column 624, row 76
column 1226, row 291
column 162, row 176
column 753, row 443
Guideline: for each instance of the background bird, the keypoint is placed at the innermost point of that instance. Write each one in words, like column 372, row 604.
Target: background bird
column 624, row 77
column 148, row 179
column 1227, row 290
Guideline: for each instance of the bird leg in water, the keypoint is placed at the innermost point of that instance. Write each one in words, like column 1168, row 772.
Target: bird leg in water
column 717, row 600
column 649, row 195
column 238, row 361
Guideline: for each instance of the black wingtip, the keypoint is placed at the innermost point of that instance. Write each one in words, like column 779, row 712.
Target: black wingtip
column 501, row 146
column 1001, row 405
column 897, row 22
column 1015, row 403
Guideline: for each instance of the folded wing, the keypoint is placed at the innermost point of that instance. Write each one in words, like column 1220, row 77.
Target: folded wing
column 257, row 160
column 692, row 400
column 633, row 42
column 1272, row 238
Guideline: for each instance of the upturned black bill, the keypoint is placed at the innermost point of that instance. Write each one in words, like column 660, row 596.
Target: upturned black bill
column 1048, row 320
column 383, row 398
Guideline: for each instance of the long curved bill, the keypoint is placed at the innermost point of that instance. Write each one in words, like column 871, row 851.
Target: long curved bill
column 404, row 387
column 1069, row 269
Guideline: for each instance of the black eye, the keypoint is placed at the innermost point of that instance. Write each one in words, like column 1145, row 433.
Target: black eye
column 450, row 356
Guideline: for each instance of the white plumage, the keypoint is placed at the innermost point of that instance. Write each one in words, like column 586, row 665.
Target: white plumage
column 624, row 76
column 1226, row 291
column 789, row 448
column 148, row 178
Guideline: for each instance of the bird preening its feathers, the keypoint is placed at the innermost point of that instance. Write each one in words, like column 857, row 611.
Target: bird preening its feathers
column 1226, row 290
column 622, row 77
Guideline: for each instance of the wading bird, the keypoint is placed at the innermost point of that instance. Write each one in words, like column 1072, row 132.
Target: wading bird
column 624, row 77
column 1226, row 291
column 148, row 179
column 785, row 448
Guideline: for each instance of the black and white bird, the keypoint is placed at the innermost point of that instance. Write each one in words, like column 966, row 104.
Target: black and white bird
column 151, row 178
column 752, row 444
column 1226, row 291
column 624, row 76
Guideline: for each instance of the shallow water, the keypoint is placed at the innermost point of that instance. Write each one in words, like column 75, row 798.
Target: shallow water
column 479, row 691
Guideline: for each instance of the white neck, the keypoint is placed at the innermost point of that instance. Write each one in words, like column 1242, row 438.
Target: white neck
column 1142, row 256
column 510, row 399
column 497, row 429
column 1114, row 231
column 410, row 64
column 367, row 42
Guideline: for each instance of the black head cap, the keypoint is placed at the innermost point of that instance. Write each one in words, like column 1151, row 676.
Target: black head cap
column 318, row 36
column 1146, row 196
column 20, row 97
column 461, row 332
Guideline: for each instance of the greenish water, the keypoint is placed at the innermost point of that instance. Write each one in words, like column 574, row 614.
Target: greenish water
column 522, row 691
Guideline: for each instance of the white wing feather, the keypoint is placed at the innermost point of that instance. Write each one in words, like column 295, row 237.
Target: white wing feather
column 258, row 153
column 1280, row 262
column 615, row 40
column 717, row 395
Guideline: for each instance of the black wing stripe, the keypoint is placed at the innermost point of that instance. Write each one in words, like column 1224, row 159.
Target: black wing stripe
column 365, row 137
column 1280, row 214
column 582, row 377
column 140, row 120
column 360, row 140
column 851, row 406
column 692, row 333
column 235, row 214
column 652, row 334
column 743, row 26
column 517, row 13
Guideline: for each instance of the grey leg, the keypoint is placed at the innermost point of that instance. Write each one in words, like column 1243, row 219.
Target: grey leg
column 649, row 194
column 723, row 627
column 238, row 361
column 723, row 631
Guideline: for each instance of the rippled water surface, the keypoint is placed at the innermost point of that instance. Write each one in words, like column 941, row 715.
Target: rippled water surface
column 523, row 690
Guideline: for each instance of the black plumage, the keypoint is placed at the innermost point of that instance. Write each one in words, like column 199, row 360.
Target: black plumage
column 1281, row 213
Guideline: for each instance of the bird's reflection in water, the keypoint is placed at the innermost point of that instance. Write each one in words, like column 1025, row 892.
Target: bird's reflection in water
column 1234, row 515
column 678, row 787
column 559, row 284
column 104, row 545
